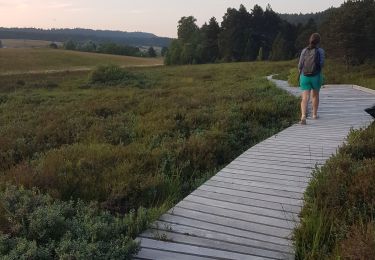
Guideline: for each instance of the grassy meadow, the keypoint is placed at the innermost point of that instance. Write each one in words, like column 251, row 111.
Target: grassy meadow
column 26, row 43
column 21, row 60
column 132, row 142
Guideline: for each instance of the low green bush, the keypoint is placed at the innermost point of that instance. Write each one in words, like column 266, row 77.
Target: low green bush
column 110, row 74
column 113, row 75
column 39, row 227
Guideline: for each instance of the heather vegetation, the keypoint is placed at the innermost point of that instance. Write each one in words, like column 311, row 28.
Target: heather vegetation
column 116, row 140
column 36, row 226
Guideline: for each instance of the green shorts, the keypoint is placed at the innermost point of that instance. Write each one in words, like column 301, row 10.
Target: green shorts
column 311, row 83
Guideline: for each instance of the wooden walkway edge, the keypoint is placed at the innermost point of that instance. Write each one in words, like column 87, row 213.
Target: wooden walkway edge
column 249, row 209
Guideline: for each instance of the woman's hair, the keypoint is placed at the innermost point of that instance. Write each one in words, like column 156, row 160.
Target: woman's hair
column 314, row 40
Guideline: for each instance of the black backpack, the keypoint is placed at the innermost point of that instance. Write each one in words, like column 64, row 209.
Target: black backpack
column 311, row 62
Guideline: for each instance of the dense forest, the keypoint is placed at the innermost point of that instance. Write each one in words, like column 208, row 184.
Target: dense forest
column 318, row 17
column 84, row 35
column 348, row 32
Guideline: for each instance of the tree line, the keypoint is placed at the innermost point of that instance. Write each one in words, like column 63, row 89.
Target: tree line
column 109, row 48
column 347, row 32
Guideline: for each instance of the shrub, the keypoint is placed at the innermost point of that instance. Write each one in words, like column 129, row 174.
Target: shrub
column 110, row 74
column 43, row 228
column 21, row 82
column 53, row 45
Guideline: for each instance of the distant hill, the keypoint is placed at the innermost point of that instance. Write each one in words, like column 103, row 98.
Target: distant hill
column 318, row 17
column 79, row 34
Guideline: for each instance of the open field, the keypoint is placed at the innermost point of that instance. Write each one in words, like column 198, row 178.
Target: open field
column 21, row 60
column 145, row 141
column 25, row 43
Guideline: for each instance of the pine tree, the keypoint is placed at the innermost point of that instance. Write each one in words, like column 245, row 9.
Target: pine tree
column 209, row 38
column 304, row 35
column 349, row 32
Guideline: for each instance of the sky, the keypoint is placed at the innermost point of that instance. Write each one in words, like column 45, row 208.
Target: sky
column 155, row 16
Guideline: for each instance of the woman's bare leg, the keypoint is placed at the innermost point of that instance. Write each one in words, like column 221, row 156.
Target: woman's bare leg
column 304, row 102
column 315, row 102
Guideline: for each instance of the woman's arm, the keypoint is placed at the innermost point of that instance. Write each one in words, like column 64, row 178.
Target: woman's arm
column 322, row 57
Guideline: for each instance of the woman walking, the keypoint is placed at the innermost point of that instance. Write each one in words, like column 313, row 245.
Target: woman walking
column 310, row 67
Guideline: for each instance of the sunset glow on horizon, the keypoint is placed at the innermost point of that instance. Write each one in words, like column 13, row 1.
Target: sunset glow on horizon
column 158, row 17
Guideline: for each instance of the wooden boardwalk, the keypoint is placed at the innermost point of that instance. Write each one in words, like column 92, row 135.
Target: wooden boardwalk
column 249, row 209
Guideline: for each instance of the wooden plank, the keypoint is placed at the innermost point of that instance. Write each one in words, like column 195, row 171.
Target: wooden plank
column 192, row 250
column 250, row 215
column 251, row 195
column 237, row 206
column 246, row 177
column 326, row 153
column 267, row 173
column 235, row 231
column 221, row 236
column 252, row 189
column 156, row 254
column 287, row 155
column 218, row 245
column 283, row 156
column 206, row 192
column 279, row 161
column 300, row 147
column 257, row 184
column 310, row 145
column 292, row 171
column 231, row 222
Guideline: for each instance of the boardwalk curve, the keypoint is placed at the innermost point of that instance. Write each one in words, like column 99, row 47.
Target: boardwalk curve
column 249, row 209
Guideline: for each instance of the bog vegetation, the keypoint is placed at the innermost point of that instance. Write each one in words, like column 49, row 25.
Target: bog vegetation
column 337, row 220
column 117, row 141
